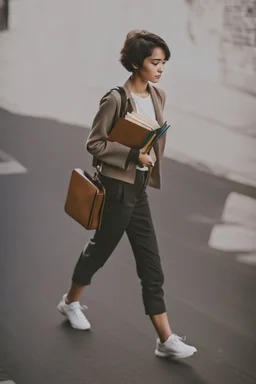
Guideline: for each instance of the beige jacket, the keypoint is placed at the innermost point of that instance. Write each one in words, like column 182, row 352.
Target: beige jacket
column 112, row 155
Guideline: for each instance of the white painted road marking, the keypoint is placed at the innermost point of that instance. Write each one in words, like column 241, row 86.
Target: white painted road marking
column 247, row 258
column 233, row 238
column 8, row 165
column 240, row 209
column 237, row 231
column 7, row 382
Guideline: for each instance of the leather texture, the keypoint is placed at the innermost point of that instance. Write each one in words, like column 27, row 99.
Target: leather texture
column 85, row 199
column 129, row 134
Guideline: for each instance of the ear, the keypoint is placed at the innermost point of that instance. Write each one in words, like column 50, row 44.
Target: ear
column 135, row 66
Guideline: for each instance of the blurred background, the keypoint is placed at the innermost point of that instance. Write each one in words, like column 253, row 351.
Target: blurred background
column 57, row 59
column 57, row 45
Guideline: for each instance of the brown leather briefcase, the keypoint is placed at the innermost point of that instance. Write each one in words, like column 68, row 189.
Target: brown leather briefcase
column 85, row 199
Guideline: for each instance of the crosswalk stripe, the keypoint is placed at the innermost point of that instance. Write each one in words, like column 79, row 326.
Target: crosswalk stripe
column 237, row 231
column 8, row 165
column 7, row 382
column 232, row 238
column 247, row 258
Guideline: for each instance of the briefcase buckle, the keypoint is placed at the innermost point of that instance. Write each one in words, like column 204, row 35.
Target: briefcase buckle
column 96, row 176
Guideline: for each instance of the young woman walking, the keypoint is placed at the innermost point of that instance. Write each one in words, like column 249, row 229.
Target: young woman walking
column 126, row 173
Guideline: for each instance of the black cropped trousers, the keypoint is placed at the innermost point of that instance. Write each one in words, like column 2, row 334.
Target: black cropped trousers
column 126, row 210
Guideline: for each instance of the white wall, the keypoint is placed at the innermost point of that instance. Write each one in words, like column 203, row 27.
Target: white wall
column 59, row 57
column 69, row 50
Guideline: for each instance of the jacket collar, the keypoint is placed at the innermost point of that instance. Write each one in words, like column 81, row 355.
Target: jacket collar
column 155, row 100
column 127, row 88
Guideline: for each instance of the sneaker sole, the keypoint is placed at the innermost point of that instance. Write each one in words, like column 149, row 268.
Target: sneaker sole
column 168, row 355
column 59, row 307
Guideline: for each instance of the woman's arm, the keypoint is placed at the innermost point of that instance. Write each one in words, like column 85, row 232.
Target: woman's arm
column 111, row 153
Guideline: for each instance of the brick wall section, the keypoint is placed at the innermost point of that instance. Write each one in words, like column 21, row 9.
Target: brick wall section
column 238, row 45
column 226, row 30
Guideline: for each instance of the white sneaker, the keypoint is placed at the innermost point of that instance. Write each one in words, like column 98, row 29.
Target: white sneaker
column 174, row 347
column 74, row 313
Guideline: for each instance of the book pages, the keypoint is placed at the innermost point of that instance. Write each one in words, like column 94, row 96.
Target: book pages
column 142, row 120
column 138, row 123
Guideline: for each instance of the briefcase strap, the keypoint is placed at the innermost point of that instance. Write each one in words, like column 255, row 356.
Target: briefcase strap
column 102, row 208
column 123, row 98
column 96, row 177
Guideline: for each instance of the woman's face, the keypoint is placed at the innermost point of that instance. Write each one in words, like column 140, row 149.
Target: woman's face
column 153, row 66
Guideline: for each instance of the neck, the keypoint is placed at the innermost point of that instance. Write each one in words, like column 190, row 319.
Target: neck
column 138, row 85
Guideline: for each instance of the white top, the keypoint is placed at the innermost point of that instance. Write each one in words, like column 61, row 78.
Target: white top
column 144, row 106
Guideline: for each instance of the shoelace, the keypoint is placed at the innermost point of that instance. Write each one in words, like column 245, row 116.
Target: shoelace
column 83, row 307
column 79, row 308
column 177, row 338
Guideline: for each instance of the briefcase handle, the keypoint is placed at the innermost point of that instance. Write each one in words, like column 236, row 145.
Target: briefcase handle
column 96, row 176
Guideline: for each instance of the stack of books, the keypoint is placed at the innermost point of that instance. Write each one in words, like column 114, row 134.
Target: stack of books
column 137, row 131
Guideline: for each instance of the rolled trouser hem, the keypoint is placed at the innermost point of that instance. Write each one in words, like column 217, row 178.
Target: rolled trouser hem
column 81, row 281
column 155, row 311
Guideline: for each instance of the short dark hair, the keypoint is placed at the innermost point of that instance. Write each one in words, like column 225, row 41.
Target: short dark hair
column 138, row 45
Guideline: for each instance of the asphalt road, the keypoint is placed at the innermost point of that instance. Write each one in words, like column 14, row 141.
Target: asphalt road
column 210, row 296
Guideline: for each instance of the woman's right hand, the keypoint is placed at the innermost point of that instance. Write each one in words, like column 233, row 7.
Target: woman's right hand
column 145, row 160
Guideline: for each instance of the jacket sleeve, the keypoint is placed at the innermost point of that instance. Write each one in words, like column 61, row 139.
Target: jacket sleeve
column 111, row 153
column 160, row 145
column 163, row 97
